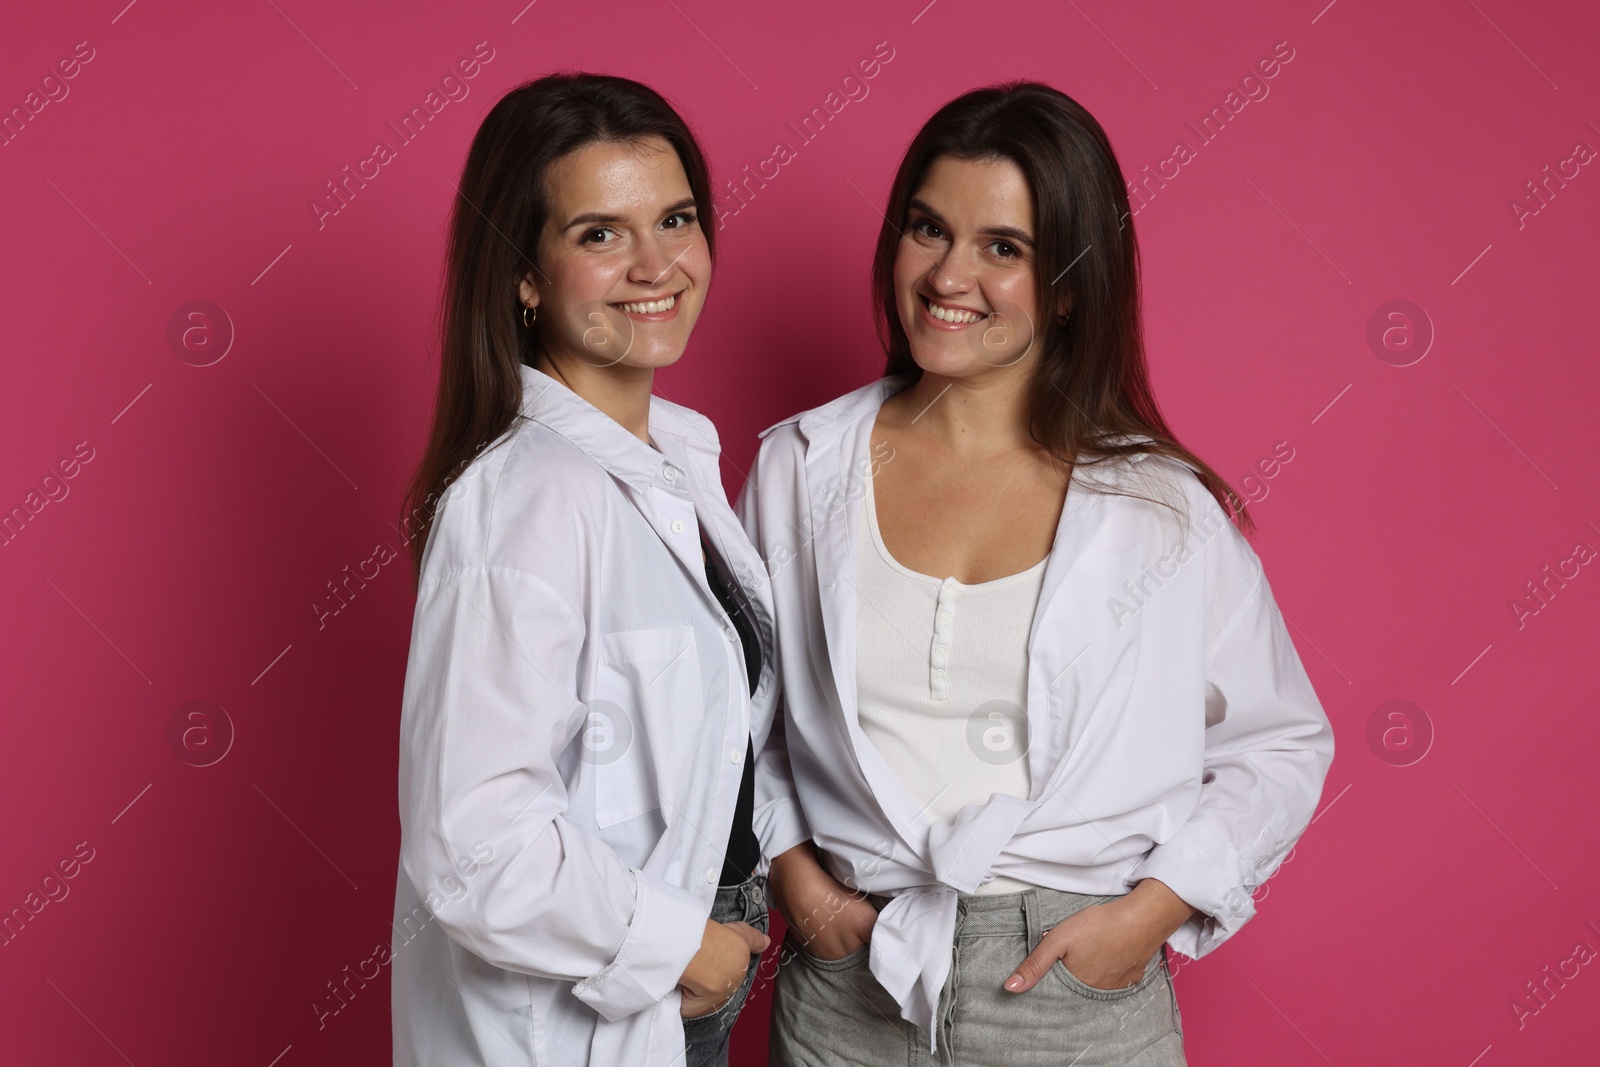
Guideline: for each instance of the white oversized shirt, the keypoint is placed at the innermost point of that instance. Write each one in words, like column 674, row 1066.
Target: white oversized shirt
column 1173, row 732
column 572, row 740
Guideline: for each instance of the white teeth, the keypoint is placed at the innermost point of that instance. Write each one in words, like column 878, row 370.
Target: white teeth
column 944, row 314
column 651, row 307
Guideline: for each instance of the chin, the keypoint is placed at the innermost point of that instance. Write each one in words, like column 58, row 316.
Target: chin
column 652, row 359
column 957, row 362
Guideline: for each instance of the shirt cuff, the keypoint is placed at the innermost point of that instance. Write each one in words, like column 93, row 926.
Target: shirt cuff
column 780, row 825
column 665, row 933
column 1202, row 866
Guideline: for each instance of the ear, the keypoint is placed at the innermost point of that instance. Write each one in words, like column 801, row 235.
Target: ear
column 527, row 291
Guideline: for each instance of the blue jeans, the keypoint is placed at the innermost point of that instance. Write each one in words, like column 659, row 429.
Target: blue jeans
column 706, row 1036
column 828, row 1012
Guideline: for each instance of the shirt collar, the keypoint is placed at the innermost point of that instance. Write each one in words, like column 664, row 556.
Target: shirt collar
column 834, row 417
column 675, row 429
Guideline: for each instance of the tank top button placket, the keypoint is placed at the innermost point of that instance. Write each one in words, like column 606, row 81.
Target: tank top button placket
column 943, row 627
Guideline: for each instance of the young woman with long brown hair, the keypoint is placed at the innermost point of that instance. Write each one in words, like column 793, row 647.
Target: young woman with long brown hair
column 1043, row 715
column 590, row 680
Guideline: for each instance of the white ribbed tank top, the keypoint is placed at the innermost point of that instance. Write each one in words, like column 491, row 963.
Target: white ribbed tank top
column 942, row 678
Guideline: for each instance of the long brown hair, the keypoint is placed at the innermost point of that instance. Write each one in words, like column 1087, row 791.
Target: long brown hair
column 1092, row 382
column 500, row 210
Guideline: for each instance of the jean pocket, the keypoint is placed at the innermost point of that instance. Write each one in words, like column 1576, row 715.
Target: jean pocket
column 843, row 963
column 725, row 1015
column 1152, row 971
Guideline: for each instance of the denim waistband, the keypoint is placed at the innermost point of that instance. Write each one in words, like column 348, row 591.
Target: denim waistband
column 986, row 914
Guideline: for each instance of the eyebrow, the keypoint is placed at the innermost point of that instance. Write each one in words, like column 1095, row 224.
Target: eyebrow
column 601, row 218
column 1011, row 232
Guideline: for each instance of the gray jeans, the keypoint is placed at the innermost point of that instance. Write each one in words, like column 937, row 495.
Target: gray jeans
column 705, row 1037
column 829, row 1012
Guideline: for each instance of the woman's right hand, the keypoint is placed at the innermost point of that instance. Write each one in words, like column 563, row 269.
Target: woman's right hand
column 717, row 971
column 828, row 920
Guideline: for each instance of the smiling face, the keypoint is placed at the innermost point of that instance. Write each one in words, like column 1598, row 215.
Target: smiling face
column 623, row 262
column 964, row 277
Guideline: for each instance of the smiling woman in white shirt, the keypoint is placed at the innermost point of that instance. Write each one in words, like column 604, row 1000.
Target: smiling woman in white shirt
column 1043, row 715
column 591, row 675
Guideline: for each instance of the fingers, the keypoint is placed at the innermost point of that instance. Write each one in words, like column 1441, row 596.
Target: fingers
column 754, row 938
column 1033, row 968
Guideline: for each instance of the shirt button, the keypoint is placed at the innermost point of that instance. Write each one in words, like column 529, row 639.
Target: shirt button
column 736, row 757
column 670, row 473
column 677, row 526
column 711, row 875
column 939, row 675
column 944, row 616
column 938, row 650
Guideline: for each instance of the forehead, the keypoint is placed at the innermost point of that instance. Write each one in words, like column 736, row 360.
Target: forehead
column 622, row 178
column 978, row 192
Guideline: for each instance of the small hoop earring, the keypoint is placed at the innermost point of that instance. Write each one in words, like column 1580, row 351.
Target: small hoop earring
column 527, row 319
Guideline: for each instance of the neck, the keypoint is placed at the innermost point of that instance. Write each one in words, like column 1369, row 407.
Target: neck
column 979, row 414
column 621, row 392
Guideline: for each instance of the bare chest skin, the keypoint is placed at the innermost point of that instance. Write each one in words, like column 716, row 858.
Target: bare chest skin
column 950, row 513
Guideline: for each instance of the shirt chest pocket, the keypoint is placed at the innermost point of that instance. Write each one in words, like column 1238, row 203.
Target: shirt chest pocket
column 644, row 722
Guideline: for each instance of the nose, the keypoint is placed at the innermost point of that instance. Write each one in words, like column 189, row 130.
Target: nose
column 653, row 262
column 951, row 273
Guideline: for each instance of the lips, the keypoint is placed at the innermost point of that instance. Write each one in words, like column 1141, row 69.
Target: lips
column 949, row 315
column 652, row 306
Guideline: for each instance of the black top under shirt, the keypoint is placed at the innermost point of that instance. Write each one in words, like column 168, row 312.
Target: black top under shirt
column 744, row 851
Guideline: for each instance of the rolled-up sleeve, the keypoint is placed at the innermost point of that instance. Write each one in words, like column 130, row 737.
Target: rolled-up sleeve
column 1268, row 746
column 490, row 703
column 778, row 820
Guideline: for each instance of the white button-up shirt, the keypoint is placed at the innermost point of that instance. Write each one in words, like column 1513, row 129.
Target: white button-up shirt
column 571, row 742
column 1173, row 732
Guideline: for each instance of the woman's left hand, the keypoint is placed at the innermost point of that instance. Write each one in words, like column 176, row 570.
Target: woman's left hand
column 1107, row 945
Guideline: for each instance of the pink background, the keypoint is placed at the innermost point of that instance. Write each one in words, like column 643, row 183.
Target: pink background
column 183, row 562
